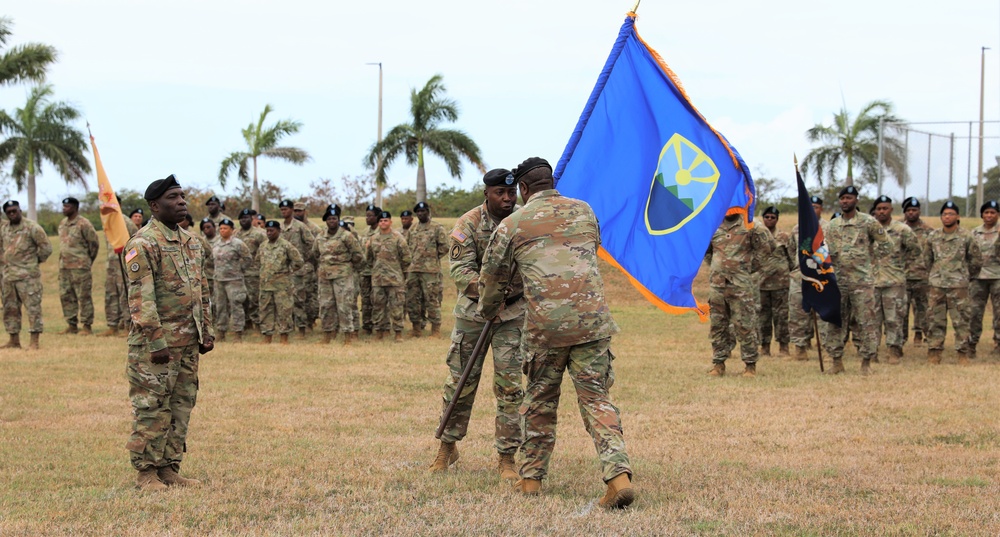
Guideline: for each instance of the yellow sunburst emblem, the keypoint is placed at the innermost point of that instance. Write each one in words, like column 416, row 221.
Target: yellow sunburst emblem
column 684, row 182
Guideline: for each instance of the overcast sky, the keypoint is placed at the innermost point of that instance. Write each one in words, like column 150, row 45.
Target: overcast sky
column 167, row 86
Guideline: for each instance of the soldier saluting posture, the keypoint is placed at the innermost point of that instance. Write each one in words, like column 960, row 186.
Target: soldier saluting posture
column 171, row 326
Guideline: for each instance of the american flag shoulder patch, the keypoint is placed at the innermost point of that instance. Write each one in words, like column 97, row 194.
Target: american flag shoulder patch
column 458, row 236
column 131, row 254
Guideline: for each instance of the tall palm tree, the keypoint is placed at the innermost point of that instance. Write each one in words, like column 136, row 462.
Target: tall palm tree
column 39, row 132
column 23, row 62
column 428, row 108
column 262, row 142
column 853, row 144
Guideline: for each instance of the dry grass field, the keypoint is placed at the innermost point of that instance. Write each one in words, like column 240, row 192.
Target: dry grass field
column 312, row 439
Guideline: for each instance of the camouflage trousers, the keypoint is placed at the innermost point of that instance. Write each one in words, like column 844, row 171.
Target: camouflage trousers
column 251, row 308
column 505, row 339
column 29, row 293
column 229, row 300
column 857, row 313
column 890, row 307
column 75, row 286
column 366, row 302
column 115, row 297
column 916, row 298
column 312, row 302
column 387, row 307
column 300, row 299
column 773, row 316
column 276, row 309
column 590, row 368
column 163, row 396
column 355, row 311
column 800, row 322
column 335, row 308
column 738, row 307
column 940, row 302
column 979, row 292
column 423, row 298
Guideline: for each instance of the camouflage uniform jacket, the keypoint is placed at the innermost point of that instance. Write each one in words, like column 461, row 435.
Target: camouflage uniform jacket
column 918, row 269
column 734, row 252
column 206, row 252
column 316, row 230
column 890, row 271
column 24, row 247
column 365, row 235
column 232, row 259
column 278, row 261
column 253, row 238
column 469, row 240
column 132, row 230
column 853, row 244
column 953, row 258
column 990, row 248
column 338, row 254
column 167, row 288
column 299, row 236
column 428, row 244
column 552, row 242
column 776, row 267
column 78, row 243
column 389, row 258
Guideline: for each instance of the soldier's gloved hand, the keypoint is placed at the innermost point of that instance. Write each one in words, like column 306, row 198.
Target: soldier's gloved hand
column 160, row 357
column 207, row 346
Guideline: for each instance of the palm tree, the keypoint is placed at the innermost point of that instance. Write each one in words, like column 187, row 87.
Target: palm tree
column 262, row 142
column 23, row 62
column 853, row 143
column 428, row 108
column 39, row 132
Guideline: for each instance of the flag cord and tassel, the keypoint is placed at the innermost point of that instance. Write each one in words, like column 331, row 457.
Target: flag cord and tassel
column 819, row 344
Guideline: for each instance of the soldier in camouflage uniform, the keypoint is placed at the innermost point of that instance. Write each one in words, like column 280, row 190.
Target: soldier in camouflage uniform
column 389, row 258
column 348, row 224
column 78, row 247
column 468, row 244
column 916, row 275
column 774, row 281
column 115, row 295
column 215, row 214
column 732, row 297
column 854, row 240
column 312, row 284
column 800, row 322
column 253, row 237
column 406, row 221
column 953, row 258
column 299, row 236
column 428, row 243
column 338, row 255
column 24, row 245
column 232, row 259
column 138, row 218
column 986, row 286
column 552, row 243
column 171, row 326
column 890, row 279
column 371, row 220
column 279, row 261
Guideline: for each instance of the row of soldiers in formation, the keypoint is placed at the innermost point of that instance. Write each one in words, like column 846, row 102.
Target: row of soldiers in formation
column 885, row 269
column 272, row 275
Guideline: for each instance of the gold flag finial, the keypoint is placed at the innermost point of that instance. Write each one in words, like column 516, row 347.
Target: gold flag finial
column 796, row 159
column 635, row 8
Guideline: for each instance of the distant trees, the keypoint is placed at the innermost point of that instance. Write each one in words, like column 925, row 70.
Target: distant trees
column 22, row 63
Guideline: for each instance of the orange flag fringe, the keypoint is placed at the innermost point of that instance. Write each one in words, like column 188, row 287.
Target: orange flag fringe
column 111, row 211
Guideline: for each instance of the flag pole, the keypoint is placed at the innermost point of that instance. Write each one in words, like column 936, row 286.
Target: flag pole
column 819, row 345
column 635, row 8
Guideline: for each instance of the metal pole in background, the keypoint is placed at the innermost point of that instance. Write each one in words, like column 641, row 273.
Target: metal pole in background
column 378, row 188
column 878, row 170
column 982, row 93
column 951, row 165
column 929, row 139
column 906, row 161
column 968, row 182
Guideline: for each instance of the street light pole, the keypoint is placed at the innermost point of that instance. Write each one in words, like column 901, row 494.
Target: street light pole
column 982, row 94
column 378, row 188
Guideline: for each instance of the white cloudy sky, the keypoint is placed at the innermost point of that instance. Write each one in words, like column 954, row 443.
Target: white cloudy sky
column 167, row 86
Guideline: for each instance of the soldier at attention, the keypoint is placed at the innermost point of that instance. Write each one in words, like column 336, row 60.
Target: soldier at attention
column 78, row 247
column 428, row 242
column 986, row 286
column 232, row 259
column 890, row 279
column 774, row 279
column 338, row 258
column 389, row 257
column 25, row 246
column 278, row 261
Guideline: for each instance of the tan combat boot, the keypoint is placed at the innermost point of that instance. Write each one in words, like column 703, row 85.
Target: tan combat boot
column 963, row 358
column 620, row 493
column 86, row 331
column 800, row 354
column 110, row 332
column 237, row 337
column 837, row 367
column 399, row 336
column 13, row 343
column 380, row 335
column 972, row 352
column 348, row 336
column 783, row 349
column 33, row 344
column 866, row 367
column 531, row 487
column 435, row 330
column 417, row 331
column 171, row 478
column 750, row 371
column 765, row 349
column 718, row 370
column 934, row 356
column 367, row 331
column 302, row 332
column 147, row 480
column 446, row 456
column 327, row 336
column 506, row 467
column 918, row 339
column 71, row 329
column 283, row 339
column 267, row 339
column 895, row 355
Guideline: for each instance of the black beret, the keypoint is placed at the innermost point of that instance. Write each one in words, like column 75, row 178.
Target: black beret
column 71, row 201
column 882, row 199
column 246, row 212
column 989, row 205
column 910, row 202
column 816, row 200
column 406, row 213
column 136, row 211
column 949, row 205
column 770, row 210
column 226, row 222
column 273, row 223
column 344, row 225
column 373, row 208
column 529, row 164
column 213, row 198
column 204, row 221
column 10, row 203
column 159, row 187
column 848, row 190
column 259, row 217
column 499, row 177
column 384, row 214
column 332, row 207
column 286, row 203
column 421, row 205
